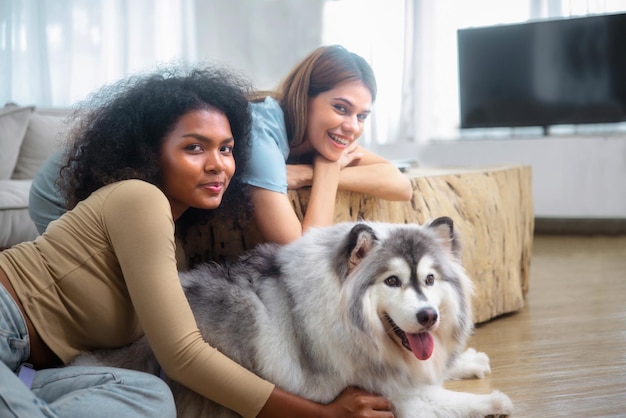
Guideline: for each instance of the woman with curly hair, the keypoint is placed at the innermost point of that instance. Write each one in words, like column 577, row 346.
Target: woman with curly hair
column 145, row 153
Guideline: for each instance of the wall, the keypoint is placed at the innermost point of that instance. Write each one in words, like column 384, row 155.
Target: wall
column 263, row 39
column 573, row 177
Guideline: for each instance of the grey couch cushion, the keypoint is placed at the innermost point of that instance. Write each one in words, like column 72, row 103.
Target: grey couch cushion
column 14, row 219
column 13, row 124
column 45, row 133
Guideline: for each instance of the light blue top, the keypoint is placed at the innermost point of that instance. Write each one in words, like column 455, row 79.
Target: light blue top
column 270, row 148
column 267, row 166
column 45, row 203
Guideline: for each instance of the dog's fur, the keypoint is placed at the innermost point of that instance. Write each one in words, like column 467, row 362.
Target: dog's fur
column 354, row 304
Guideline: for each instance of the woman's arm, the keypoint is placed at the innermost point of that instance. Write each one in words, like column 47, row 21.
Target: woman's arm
column 381, row 180
column 351, row 402
column 359, row 170
column 274, row 214
column 365, row 173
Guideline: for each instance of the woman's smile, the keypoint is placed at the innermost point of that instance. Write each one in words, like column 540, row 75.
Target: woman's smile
column 340, row 141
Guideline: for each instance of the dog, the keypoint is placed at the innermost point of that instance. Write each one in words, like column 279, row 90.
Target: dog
column 381, row 306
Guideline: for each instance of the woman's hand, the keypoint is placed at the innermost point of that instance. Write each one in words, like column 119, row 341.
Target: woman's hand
column 351, row 403
column 299, row 176
column 354, row 402
column 350, row 154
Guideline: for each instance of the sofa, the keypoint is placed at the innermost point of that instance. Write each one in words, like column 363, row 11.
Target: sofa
column 28, row 135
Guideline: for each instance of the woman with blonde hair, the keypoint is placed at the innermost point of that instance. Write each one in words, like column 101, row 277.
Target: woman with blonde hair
column 305, row 134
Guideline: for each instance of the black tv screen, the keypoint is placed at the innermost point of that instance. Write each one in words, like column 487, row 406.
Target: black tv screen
column 543, row 73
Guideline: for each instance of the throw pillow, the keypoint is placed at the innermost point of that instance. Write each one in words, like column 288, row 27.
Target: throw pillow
column 45, row 133
column 13, row 124
column 16, row 224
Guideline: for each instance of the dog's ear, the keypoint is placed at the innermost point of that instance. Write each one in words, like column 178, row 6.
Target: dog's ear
column 444, row 229
column 360, row 241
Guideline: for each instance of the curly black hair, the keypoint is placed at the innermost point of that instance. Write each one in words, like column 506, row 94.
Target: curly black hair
column 118, row 131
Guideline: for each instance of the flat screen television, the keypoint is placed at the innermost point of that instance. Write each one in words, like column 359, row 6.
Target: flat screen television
column 543, row 73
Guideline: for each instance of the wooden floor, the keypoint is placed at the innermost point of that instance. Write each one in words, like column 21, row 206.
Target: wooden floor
column 564, row 353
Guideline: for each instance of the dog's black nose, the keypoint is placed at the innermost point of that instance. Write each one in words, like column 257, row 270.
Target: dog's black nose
column 427, row 317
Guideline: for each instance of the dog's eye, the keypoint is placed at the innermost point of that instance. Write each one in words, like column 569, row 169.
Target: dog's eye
column 430, row 280
column 393, row 281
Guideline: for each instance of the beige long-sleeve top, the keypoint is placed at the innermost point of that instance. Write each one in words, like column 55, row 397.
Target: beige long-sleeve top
column 105, row 273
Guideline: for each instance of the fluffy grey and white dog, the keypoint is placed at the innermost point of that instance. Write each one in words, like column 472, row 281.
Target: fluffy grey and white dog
column 385, row 307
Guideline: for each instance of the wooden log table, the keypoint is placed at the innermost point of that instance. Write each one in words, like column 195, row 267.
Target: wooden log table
column 492, row 209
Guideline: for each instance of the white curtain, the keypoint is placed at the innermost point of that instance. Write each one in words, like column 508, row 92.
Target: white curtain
column 374, row 29
column 55, row 52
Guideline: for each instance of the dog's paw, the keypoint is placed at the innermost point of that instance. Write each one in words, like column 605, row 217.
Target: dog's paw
column 469, row 364
column 493, row 405
column 500, row 405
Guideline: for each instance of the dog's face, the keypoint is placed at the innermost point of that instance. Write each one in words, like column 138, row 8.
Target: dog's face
column 411, row 285
column 407, row 301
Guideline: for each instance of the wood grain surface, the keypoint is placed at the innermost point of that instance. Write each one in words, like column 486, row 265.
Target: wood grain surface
column 564, row 353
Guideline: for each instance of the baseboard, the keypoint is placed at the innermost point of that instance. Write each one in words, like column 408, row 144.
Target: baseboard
column 580, row 226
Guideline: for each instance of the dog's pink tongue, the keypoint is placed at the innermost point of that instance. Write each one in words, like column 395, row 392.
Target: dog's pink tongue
column 422, row 345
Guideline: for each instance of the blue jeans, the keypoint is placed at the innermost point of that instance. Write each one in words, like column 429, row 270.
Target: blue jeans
column 71, row 391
